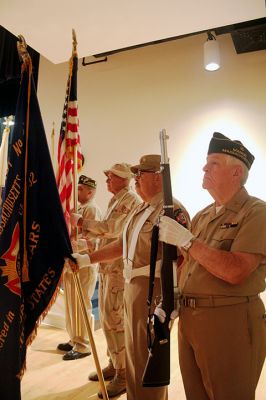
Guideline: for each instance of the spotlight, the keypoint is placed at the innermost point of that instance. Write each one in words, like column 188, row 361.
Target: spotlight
column 211, row 53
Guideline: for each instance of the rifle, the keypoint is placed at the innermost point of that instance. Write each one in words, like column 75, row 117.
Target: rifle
column 157, row 370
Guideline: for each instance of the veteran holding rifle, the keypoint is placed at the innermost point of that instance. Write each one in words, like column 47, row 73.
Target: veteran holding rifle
column 135, row 245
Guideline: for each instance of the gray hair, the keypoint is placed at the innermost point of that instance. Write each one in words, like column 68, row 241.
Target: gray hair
column 235, row 161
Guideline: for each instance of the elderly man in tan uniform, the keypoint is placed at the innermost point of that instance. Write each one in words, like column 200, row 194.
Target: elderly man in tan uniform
column 111, row 281
column 135, row 246
column 222, row 338
column 78, row 346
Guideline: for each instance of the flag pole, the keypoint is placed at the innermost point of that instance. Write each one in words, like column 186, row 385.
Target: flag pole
column 75, row 272
column 75, row 197
column 27, row 64
column 52, row 143
column 75, row 186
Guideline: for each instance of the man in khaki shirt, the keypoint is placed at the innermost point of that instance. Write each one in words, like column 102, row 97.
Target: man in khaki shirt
column 135, row 246
column 111, row 281
column 222, row 334
column 78, row 346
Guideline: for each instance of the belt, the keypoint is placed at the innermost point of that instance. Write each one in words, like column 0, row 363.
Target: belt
column 214, row 301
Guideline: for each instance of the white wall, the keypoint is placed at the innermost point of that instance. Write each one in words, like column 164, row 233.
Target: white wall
column 124, row 103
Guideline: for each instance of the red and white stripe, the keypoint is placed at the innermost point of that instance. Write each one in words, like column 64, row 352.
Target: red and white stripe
column 69, row 138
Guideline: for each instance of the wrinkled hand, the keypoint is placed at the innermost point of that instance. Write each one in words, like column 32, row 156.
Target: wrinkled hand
column 83, row 260
column 74, row 219
column 171, row 232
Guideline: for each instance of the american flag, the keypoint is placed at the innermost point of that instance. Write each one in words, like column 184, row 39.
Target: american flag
column 68, row 139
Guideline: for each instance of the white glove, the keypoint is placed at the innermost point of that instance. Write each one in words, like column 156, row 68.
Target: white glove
column 83, row 260
column 161, row 314
column 74, row 219
column 171, row 232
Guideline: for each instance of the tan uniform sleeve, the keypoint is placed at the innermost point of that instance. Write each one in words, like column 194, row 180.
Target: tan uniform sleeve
column 91, row 213
column 112, row 227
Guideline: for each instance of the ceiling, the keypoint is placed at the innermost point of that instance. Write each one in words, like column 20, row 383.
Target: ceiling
column 103, row 26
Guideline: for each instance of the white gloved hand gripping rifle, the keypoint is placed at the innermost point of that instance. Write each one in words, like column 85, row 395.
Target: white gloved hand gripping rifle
column 161, row 314
column 171, row 232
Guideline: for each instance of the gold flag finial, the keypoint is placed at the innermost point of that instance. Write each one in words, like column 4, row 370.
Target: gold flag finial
column 74, row 43
column 22, row 50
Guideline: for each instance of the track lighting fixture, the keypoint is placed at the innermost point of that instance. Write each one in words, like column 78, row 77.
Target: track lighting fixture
column 211, row 53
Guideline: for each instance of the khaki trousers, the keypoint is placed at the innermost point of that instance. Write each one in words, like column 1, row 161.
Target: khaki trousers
column 222, row 350
column 75, row 325
column 136, row 313
column 111, row 304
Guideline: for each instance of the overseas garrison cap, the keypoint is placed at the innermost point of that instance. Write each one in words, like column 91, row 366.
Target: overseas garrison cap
column 84, row 180
column 122, row 170
column 222, row 144
column 150, row 162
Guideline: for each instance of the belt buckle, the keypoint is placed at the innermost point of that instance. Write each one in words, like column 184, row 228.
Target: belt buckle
column 189, row 302
column 192, row 302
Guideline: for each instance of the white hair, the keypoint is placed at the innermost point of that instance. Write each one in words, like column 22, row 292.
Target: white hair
column 235, row 161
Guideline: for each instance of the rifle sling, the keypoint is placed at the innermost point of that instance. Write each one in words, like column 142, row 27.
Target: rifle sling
column 153, row 259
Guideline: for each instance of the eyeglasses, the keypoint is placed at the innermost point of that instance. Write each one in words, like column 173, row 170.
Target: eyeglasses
column 139, row 173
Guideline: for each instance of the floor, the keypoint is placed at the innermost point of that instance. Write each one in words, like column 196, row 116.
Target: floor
column 48, row 377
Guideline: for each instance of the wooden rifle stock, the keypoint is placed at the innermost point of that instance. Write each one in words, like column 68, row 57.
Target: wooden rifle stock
column 157, row 370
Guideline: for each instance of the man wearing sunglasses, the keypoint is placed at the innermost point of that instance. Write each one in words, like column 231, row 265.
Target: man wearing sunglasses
column 135, row 245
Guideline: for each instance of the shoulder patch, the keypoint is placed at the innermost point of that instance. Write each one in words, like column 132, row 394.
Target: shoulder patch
column 122, row 209
column 180, row 217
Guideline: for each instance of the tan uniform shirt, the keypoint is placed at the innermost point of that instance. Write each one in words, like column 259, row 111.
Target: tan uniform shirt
column 90, row 211
column 112, row 225
column 108, row 230
column 143, row 246
column 239, row 226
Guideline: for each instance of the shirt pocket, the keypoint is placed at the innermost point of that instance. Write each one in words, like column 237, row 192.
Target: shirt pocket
column 223, row 240
column 224, row 244
column 147, row 227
